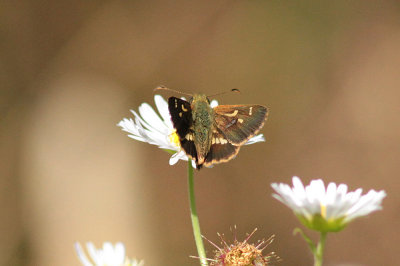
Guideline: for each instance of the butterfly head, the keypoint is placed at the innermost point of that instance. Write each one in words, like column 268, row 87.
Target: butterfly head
column 199, row 98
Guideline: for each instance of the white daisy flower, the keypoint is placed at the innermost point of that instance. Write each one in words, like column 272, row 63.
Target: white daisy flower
column 148, row 126
column 330, row 209
column 109, row 255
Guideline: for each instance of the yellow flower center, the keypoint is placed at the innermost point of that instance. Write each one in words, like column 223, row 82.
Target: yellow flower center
column 174, row 139
column 323, row 210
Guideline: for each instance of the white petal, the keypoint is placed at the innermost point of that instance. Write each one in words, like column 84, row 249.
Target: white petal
column 128, row 125
column 96, row 255
column 255, row 139
column 119, row 253
column 368, row 203
column 331, row 194
column 162, row 107
column 138, row 132
column 108, row 254
column 81, row 255
column 298, row 188
column 176, row 157
column 287, row 196
column 152, row 119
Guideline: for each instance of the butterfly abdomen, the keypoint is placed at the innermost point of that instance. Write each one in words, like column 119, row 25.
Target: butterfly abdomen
column 202, row 115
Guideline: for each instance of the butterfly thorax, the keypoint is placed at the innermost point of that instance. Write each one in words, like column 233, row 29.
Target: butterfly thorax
column 203, row 118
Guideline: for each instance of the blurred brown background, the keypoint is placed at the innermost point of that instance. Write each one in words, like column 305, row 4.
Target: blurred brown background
column 70, row 70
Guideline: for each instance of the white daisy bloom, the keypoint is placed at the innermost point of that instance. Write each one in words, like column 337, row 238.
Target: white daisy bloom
column 109, row 255
column 148, row 126
column 330, row 209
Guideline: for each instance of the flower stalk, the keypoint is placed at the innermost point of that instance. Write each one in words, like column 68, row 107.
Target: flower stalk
column 319, row 251
column 195, row 219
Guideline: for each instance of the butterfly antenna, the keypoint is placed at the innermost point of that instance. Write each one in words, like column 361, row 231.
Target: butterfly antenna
column 167, row 89
column 232, row 90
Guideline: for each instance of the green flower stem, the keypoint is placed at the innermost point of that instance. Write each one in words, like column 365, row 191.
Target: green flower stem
column 195, row 219
column 319, row 252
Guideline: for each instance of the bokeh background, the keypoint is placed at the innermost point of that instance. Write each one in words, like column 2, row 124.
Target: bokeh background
column 70, row 70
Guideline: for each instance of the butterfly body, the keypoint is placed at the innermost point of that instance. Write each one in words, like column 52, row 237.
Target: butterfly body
column 213, row 135
column 203, row 117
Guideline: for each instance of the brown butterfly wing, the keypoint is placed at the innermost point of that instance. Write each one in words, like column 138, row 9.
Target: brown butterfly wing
column 239, row 123
column 188, row 146
column 221, row 150
column 181, row 116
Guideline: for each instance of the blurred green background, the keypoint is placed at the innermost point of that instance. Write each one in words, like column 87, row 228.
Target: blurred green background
column 70, row 70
